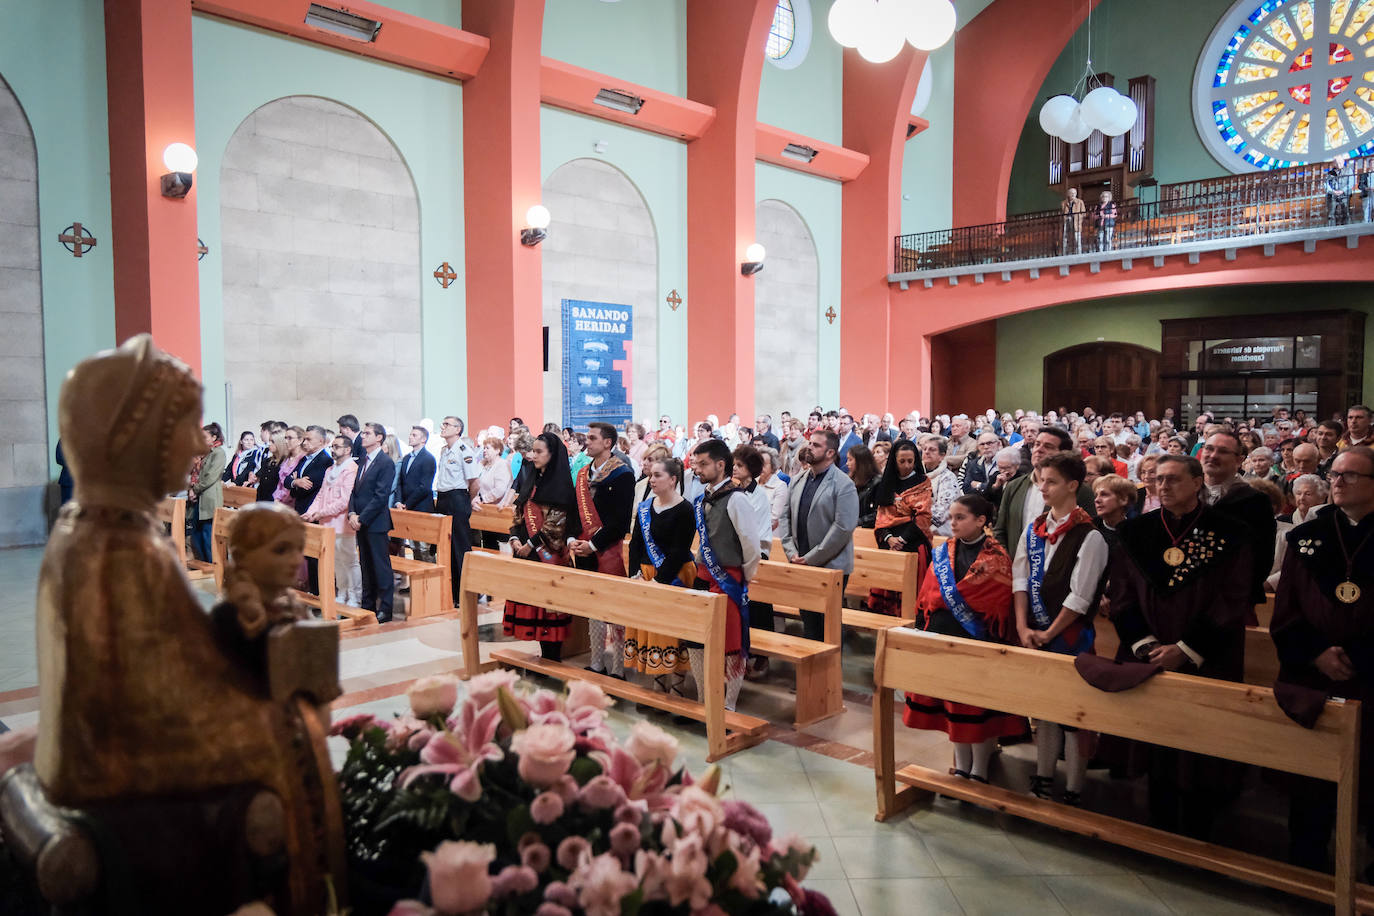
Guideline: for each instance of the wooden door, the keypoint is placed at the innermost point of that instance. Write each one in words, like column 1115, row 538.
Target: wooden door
column 1106, row 376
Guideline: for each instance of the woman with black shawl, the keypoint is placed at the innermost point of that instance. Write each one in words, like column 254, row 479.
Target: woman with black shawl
column 902, row 497
column 545, row 517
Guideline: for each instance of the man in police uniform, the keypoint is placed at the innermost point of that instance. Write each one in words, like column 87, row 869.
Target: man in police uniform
column 454, row 482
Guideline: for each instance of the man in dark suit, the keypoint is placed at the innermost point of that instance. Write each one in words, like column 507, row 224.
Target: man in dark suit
column 349, row 429
column 1229, row 494
column 1022, row 501
column 848, row 439
column 304, row 482
column 370, row 516
column 415, row 483
column 980, row 469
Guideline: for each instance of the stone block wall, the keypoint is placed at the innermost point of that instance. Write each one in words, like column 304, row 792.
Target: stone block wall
column 602, row 247
column 24, row 447
column 786, row 313
column 321, row 237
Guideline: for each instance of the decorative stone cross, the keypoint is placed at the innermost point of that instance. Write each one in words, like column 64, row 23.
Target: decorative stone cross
column 445, row 275
column 76, row 239
column 830, row 314
column 674, row 300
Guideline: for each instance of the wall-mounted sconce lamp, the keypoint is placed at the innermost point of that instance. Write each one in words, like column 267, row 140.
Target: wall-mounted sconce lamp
column 753, row 260
column 537, row 225
column 181, row 160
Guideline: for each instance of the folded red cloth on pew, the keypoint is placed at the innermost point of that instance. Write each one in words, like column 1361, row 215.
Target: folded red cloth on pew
column 1111, row 675
column 1302, row 704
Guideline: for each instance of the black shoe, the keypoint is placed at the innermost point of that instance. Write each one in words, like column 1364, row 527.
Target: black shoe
column 383, row 616
column 962, row 774
column 1041, row 786
column 982, row 779
column 1072, row 799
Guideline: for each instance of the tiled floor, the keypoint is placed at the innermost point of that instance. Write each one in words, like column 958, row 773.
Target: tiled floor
column 941, row 857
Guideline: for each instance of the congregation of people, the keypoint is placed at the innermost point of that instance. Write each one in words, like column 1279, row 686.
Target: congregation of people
column 1029, row 527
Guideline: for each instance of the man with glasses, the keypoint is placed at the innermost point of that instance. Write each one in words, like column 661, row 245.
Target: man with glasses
column 455, row 483
column 1323, row 628
column 1180, row 590
column 1231, row 495
column 981, row 469
column 763, row 429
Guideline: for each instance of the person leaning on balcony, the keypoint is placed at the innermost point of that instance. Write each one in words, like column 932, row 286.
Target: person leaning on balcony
column 1073, row 210
column 1104, row 215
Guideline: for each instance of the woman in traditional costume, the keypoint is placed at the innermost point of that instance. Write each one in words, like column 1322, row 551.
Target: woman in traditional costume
column 545, row 517
column 903, row 516
column 1057, row 584
column 967, row 593
column 661, row 551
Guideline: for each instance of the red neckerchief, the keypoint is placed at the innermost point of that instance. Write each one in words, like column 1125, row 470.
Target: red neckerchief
column 1076, row 517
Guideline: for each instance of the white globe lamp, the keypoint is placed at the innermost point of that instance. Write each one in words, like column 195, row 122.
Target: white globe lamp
column 178, row 157
column 883, row 42
column 1056, row 113
column 1077, row 130
column 1123, row 118
column 1099, row 106
column 848, row 20
column 930, row 23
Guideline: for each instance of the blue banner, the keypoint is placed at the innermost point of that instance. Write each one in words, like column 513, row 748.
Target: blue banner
column 598, row 339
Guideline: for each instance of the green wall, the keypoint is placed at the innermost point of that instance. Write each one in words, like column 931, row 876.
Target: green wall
column 1162, row 38
column 52, row 54
column 1024, row 340
column 657, row 167
column 640, row 41
column 818, row 202
column 808, row 98
column 928, row 163
column 423, row 117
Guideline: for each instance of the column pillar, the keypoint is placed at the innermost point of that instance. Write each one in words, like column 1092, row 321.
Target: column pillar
column 880, row 368
column 151, row 96
column 725, row 44
column 501, row 182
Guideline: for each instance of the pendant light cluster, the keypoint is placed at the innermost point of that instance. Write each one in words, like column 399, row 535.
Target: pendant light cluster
column 879, row 28
column 1103, row 108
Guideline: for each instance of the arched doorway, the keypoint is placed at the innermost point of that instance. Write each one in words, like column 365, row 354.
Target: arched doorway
column 1105, row 376
column 602, row 247
column 786, row 300
column 321, row 239
column 24, row 451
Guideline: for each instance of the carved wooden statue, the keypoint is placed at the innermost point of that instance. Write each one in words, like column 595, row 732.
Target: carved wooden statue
column 194, row 745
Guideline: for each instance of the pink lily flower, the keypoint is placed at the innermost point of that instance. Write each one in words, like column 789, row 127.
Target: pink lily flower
column 460, row 753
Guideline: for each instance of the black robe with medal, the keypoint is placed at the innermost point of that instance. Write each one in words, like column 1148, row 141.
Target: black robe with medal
column 1202, row 602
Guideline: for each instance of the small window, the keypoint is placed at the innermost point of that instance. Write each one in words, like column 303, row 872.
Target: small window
column 789, row 37
column 783, row 32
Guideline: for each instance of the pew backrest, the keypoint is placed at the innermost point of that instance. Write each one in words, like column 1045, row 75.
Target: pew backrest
column 172, row 511
column 236, row 497
column 810, row 588
column 492, row 519
column 897, row 571
column 319, row 545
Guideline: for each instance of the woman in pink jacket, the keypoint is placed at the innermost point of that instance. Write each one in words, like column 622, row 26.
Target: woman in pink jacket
column 330, row 508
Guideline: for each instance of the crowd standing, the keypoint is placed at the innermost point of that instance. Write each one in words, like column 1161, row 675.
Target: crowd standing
column 1028, row 525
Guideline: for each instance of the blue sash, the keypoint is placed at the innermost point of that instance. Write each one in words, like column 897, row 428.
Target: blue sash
column 644, row 513
column 949, row 590
column 736, row 591
column 1035, row 551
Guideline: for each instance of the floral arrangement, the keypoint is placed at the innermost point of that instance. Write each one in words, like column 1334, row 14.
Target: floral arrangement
column 524, row 802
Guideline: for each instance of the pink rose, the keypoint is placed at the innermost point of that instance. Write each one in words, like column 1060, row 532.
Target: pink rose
column 552, row 909
column 537, row 856
column 482, row 687
column 601, row 885
column 513, row 881
column 546, row 752
column 572, row 852
column 410, row 908
column 546, row 808
column 458, row 878
column 585, row 695
column 698, row 811
column 433, row 696
column 649, row 744
column 601, row 792
column 624, row 840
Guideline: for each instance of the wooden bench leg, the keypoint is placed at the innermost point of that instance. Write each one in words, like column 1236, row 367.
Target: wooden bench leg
column 891, row 801
column 818, row 689
column 424, row 597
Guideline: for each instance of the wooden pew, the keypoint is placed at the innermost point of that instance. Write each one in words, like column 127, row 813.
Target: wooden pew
column 172, row 511
column 431, row 585
column 677, row 613
column 238, row 497
column 492, row 519
column 319, row 543
column 874, row 568
column 791, row 589
column 863, row 537
column 1223, row 719
column 1261, row 656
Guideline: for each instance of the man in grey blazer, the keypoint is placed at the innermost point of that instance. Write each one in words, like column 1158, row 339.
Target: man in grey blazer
column 1021, row 499
column 822, row 512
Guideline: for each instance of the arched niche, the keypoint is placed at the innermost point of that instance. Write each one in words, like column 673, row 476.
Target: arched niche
column 602, row 247
column 24, row 452
column 786, row 301
column 321, row 248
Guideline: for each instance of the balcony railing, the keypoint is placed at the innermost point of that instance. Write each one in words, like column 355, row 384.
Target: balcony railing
column 1203, row 211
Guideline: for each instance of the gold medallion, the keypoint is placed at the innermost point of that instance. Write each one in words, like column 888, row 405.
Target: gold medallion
column 1347, row 592
column 1173, row 556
